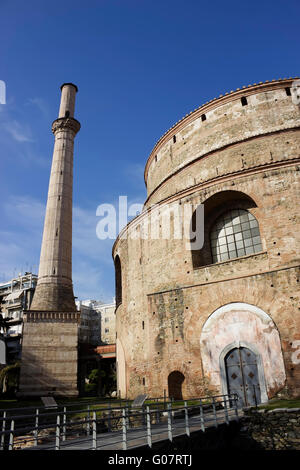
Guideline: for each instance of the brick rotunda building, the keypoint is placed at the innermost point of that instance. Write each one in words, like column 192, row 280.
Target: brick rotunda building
column 223, row 317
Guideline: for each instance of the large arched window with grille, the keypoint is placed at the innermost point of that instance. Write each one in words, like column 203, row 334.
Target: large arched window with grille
column 235, row 233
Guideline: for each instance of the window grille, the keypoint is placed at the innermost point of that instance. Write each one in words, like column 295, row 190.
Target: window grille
column 234, row 234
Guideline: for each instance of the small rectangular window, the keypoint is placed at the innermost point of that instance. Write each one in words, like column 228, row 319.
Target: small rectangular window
column 203, row 117
column 244, row 101
column 288, row 91
column 174, row 139
column 143, row 380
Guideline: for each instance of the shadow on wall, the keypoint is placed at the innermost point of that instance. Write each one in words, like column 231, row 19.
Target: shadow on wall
column 36, row 380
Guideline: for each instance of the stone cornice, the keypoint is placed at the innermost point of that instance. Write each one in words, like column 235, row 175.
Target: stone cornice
column 212, row 104
column 32, row 316
column 62, row 124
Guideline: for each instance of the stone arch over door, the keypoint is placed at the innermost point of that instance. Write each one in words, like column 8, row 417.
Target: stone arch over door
column 242, row 325
column 175, row 381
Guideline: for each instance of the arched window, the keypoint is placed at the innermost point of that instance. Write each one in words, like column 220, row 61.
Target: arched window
column 235, row 233
column 118, row 278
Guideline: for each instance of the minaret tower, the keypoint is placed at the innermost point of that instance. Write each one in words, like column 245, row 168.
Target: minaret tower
column 54, row 289
column 50, row 334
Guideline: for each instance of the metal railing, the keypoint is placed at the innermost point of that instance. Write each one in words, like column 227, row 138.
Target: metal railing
column 120, row 427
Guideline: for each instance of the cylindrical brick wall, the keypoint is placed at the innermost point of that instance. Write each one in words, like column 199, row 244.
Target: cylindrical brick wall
column 243, row 155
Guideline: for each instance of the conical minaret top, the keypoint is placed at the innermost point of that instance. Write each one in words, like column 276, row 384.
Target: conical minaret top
column 54, row 290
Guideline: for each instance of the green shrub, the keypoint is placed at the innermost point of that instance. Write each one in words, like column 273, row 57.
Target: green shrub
column 90, row 388
column 9, row 379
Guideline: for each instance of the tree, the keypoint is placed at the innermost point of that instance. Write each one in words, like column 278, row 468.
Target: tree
column 9, row 378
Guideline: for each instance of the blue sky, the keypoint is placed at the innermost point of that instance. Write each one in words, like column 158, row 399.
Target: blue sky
column 140, row 66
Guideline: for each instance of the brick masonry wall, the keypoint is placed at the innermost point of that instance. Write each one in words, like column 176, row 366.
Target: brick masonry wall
column 49, row 355
column 167, row 300
column 227, row 125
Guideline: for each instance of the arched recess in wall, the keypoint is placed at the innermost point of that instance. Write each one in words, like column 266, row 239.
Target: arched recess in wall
column 118, row 280
column 227, row 211
column 175, row 381
column 237, row 325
